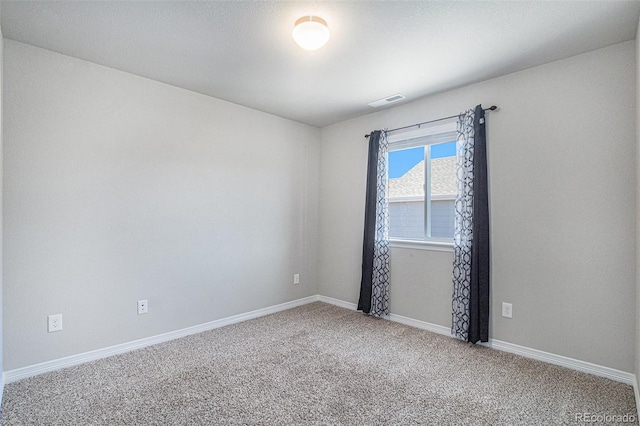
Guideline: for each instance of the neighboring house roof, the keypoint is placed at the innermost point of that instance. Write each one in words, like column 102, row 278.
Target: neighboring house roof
column 443, row 179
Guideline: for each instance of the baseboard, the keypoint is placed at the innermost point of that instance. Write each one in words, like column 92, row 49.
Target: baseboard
column 574, row 364
column 393, row 317
column 338, row 302
column 33, row 370
column 434, row 328
column 563, row 361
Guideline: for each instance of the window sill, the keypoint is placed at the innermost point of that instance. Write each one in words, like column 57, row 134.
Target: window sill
column 423, row 245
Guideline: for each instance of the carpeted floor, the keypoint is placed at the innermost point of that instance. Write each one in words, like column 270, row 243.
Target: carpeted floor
column 316, row 364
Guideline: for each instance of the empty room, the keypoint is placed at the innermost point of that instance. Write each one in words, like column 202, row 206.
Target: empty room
column 323, row 212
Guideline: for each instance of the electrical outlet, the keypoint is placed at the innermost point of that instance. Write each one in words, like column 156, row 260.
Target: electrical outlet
column 55, row 323
column 296, row 278
column 507, row 310
column 142, row 307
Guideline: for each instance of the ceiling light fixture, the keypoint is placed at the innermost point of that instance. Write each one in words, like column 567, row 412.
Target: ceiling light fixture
column 311, row 32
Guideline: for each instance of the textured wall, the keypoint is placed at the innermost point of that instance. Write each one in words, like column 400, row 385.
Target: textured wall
column 119, row 188
column 561, row 154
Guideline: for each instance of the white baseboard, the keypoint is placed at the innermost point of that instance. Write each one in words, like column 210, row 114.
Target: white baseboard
column 33, row 370
column 563, row 361
column 338, row 302
column 434, row 328
column 574, row 364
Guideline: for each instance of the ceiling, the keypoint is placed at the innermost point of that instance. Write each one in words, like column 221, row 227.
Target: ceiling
column 242, row 51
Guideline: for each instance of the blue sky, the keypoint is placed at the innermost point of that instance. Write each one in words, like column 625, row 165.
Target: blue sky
column 400, row 162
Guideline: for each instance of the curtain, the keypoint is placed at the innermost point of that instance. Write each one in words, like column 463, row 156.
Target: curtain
column 470, row 316
column 374, row 286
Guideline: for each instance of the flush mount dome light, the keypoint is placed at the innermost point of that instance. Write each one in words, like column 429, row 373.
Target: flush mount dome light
column 311, row 32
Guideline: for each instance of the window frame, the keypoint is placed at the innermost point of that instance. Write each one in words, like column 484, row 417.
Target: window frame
column 425, row 136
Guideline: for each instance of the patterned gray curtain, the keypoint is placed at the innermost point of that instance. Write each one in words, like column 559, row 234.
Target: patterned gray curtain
column 374, row 286
column 470, row 316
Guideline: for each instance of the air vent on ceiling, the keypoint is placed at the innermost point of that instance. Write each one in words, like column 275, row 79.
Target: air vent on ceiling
column 388, row 100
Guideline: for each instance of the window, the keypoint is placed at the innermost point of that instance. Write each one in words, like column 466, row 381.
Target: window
column 422, row 184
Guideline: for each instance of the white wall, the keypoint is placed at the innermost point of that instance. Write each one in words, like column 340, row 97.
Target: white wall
column 119, row 188
column 561, row 152
column 637, row 348
column 1, row 211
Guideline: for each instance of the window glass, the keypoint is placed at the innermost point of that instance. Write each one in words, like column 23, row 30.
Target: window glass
column 422, row 188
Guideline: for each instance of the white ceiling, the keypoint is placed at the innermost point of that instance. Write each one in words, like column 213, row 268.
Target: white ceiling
column 242, row 51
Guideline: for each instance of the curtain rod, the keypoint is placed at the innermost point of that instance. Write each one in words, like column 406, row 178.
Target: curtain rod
column 491, row 108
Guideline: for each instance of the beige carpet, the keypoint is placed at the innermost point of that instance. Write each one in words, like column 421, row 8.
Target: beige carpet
column 316, row 364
